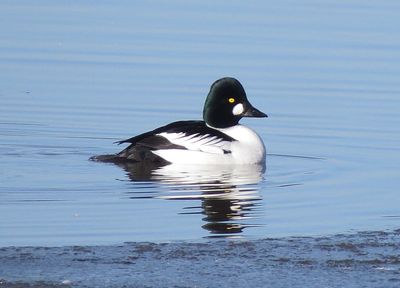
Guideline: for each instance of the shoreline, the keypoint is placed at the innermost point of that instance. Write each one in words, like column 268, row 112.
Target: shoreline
column 367, row 259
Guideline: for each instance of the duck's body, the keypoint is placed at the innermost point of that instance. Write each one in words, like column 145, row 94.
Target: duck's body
column 193, row 142
column 219, row 139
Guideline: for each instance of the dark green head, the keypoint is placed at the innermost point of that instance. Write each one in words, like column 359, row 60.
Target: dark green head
column 227, row 103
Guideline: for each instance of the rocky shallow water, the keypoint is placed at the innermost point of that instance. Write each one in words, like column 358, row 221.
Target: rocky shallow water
column 368, row 259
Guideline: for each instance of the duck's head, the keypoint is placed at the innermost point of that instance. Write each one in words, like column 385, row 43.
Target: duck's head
column 227, row 103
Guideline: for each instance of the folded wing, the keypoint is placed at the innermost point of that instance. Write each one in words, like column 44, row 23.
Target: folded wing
column 188, row 135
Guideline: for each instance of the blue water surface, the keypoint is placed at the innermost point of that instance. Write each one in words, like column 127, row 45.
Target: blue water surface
column 77, row 76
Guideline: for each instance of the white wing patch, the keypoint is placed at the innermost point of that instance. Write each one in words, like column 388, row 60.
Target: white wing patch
column 196, row 142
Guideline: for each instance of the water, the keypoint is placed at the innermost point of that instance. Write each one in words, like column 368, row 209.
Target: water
column 367, row 259
column 78, row 76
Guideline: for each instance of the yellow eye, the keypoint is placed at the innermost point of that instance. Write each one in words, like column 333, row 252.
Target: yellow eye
column 231, row 100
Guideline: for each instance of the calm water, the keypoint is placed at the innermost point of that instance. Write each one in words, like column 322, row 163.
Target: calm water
column 78, row 76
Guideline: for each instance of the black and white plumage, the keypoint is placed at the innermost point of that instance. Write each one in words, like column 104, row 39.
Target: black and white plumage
column 219, row 139
column 181, row 135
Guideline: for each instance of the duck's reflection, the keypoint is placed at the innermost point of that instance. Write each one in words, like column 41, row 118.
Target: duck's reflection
column 224, row 216
column 229, row 195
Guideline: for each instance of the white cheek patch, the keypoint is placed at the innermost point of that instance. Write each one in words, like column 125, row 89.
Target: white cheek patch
column 238, row 109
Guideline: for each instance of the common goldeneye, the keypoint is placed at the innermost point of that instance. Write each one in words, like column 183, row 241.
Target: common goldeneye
column 219, row 139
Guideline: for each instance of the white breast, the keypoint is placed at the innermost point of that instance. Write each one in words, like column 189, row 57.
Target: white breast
column 248, row 149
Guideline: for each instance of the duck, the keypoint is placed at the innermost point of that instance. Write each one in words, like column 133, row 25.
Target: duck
column 217, row 139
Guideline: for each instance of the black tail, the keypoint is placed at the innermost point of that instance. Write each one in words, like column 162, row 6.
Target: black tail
column 113, row 158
